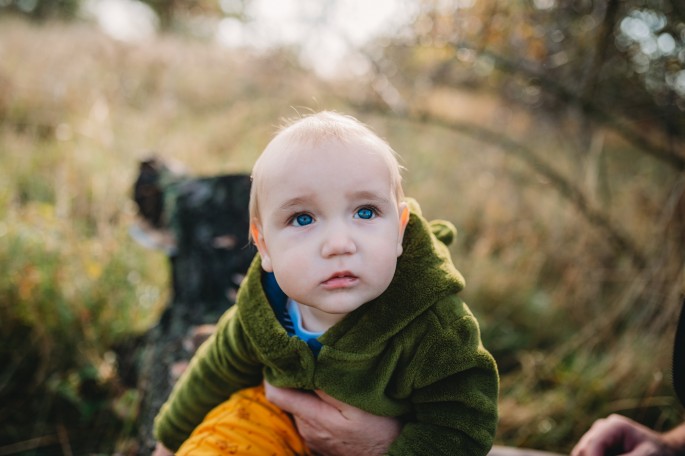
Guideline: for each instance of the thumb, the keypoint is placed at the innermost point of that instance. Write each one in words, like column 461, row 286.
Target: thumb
column 299, row 403
column 342, row 407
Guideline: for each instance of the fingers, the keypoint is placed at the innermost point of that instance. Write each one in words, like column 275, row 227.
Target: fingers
column 327, row 411
column 332, row 427
column 296, row 402
column 602, row 435
column 359, row 421
column 345, row 410
column 161, row 450
column 615, row 432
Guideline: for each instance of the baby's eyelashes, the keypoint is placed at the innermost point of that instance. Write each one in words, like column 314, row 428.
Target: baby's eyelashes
column 302, row 219
column 366, row 212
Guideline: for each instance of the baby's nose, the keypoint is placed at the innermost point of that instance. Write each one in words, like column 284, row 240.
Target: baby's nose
column 338, row 242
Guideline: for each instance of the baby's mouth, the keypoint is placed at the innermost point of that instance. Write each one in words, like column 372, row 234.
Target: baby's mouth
column 343, row 279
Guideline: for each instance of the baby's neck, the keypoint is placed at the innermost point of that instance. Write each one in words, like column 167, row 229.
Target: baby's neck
column 317, row 321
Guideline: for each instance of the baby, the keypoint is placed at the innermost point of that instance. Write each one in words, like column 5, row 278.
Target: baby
column 352, row 293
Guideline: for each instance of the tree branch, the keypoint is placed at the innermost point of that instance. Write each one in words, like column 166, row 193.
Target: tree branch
column 623, row 128
column 601, row 48
column 620, row 241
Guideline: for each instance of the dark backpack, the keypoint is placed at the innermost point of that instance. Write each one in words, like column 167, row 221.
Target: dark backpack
column 679, row 358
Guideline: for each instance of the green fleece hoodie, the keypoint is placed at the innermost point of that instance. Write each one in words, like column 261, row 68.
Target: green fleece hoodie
column 414, row 353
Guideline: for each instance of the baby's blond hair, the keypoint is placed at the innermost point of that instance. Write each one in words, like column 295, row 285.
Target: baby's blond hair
column 315, row 129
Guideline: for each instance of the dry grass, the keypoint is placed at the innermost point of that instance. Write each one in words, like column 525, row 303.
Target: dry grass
column 577, row 330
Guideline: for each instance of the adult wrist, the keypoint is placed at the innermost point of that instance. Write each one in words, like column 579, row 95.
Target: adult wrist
column 675, row 440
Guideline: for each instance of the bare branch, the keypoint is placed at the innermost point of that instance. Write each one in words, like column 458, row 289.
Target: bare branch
column 617, row 238
column 624, row 128
column 601, row 48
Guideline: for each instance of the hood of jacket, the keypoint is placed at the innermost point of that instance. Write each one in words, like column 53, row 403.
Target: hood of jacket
column 424, row 274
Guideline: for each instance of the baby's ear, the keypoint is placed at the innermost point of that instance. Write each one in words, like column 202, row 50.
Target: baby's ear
column 404, row 220
column 258, row 239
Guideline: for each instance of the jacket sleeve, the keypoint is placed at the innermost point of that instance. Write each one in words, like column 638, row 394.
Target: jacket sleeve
column 455, row 390
column 222, row 365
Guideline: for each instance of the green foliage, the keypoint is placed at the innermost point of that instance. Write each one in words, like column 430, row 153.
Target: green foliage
column 169, row 11
column 41, row 9
column 75, row 286
column 577, row 329
column 66, row 299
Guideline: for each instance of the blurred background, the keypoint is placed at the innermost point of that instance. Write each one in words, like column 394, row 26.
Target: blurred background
column 550, row 132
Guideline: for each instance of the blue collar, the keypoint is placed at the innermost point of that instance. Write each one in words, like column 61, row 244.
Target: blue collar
column 279, row 303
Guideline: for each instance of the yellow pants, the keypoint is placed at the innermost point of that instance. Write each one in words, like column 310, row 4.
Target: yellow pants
column 246, row 424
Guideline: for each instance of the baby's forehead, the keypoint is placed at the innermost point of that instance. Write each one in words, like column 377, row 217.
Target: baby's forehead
column 341, row 160
column 286, row 151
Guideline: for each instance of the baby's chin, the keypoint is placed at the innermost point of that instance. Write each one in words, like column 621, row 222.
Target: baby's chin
column 335, row 306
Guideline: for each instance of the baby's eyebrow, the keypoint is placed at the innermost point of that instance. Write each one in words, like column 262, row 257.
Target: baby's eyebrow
column 294, row 203
column 366, row 196
column 369, row 196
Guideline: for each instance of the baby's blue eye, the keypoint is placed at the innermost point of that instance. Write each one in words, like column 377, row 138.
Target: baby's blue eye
column 303, row 219
column 365, row 213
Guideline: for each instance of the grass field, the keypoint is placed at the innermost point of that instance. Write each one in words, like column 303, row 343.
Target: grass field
column 578, row 328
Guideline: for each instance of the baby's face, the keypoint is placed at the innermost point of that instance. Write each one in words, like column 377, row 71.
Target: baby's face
column 330, row 229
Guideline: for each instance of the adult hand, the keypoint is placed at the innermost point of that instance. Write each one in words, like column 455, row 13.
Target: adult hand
column 617, row 434
column 333, row 428
column 161, row 450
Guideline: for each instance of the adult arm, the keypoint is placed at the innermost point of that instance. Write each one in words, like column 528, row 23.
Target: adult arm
column 676, row 439
column 161, row 450
column 333, row 428
column 223, row 364
column 617, row 434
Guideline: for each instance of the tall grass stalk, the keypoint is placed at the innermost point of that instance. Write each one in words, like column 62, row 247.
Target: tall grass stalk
column 577, row 330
